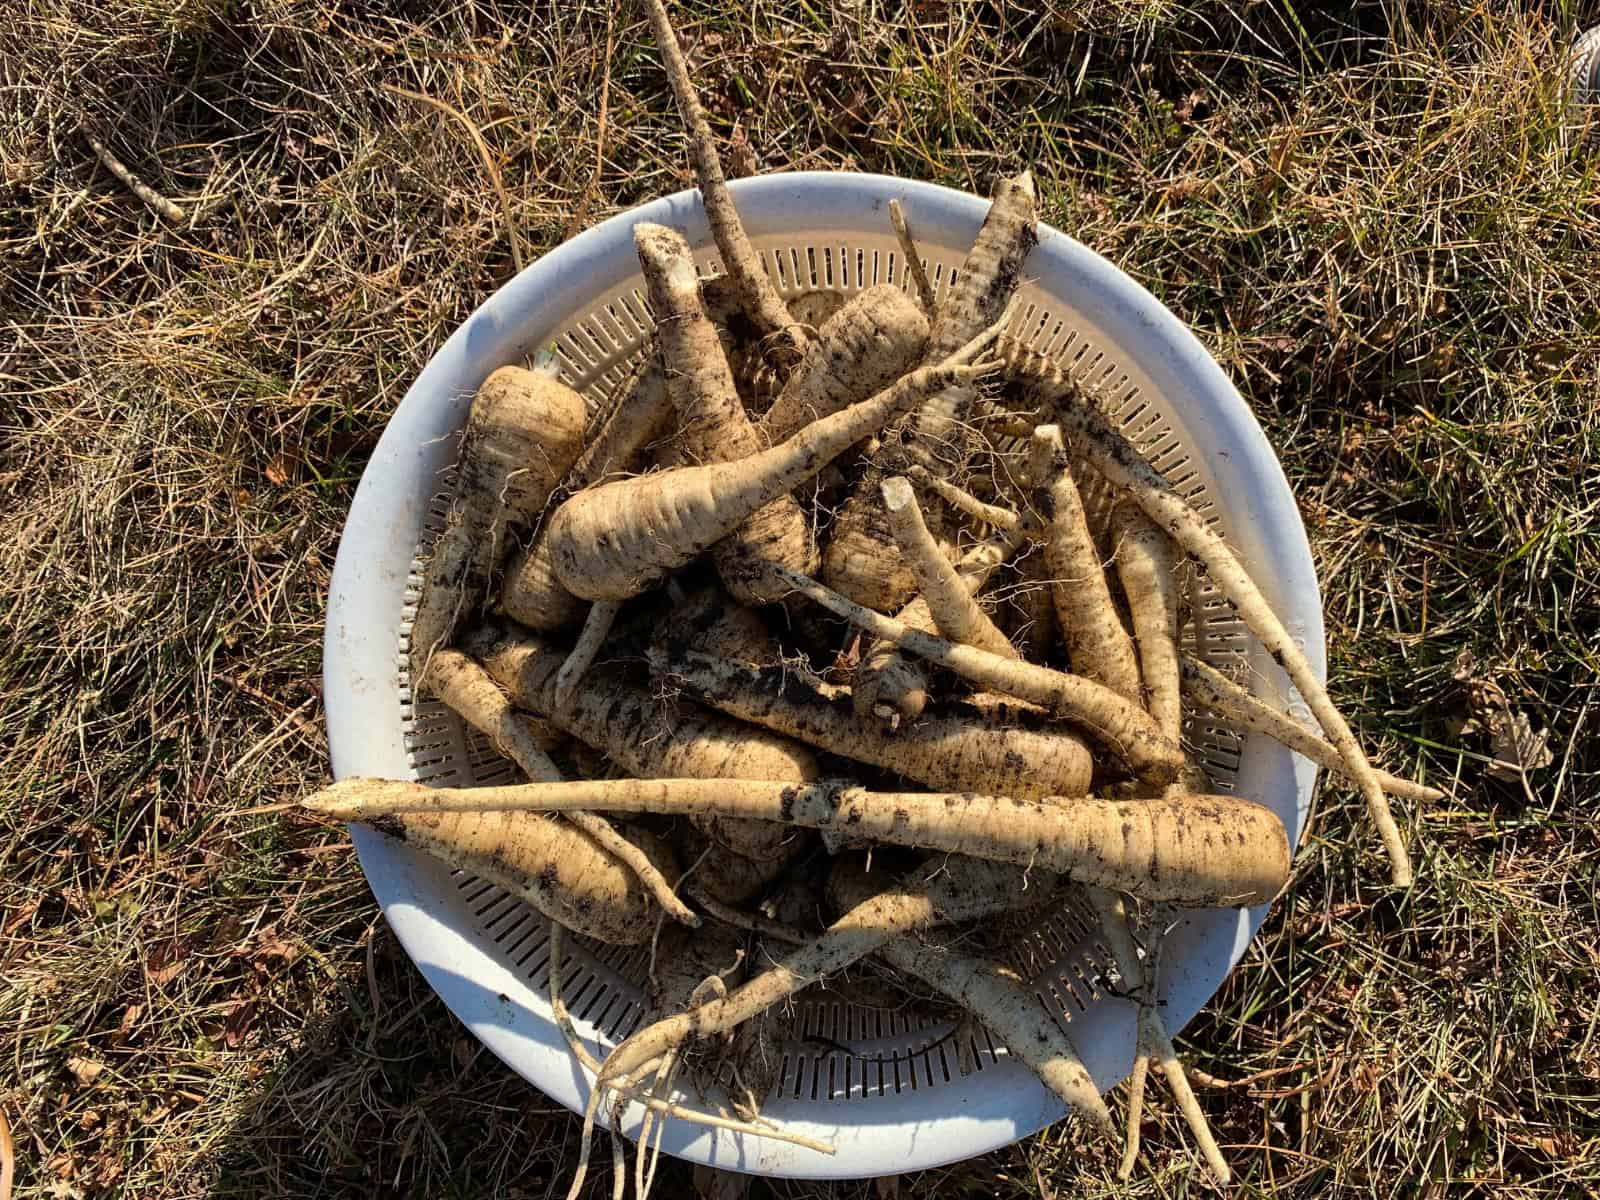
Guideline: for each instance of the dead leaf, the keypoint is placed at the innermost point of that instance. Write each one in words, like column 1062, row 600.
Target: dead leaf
column 84, row 1070
column 283, row 467
column 1517, row 747
column 130, row 1018
column 165, row 962
column 741, row 157
column 273, row 949
column 237, row 1026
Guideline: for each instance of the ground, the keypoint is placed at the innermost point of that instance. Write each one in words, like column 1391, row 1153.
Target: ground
column 1377, row 215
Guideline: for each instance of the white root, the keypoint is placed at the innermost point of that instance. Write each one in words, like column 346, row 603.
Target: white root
column 1130, row 1146
column 950, row 602
column 1212, row 689
column 596, row 628
column 912, row 257
column 1120, row 462
column 1098, row 647
column 1149, row 574
column 628, row 1089
column 1198, row 850
column 760, row 299
column 963, row 501
column 1152, row 1039
column 1113, row 720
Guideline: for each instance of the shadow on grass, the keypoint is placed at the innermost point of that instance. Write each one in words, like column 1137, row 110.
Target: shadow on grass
column 398, row 1099
column 388, row 1095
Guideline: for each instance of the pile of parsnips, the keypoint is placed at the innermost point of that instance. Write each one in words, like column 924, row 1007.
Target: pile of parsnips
column 750, row 605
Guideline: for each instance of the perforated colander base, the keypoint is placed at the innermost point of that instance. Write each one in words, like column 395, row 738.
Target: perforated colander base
column 889, row 1050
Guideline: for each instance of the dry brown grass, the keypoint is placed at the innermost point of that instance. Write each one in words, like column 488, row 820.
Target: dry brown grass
column 1369, row 210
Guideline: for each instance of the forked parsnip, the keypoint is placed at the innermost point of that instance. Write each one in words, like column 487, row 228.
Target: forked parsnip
column 1115, row 457
column 523, row 432
column 614, row 541
column 713, row 426
column 1211, row 689
column 1151, row 1038
column 1115, row 722
column 644, row 733
column 944, row 891
column 863, row 348
column 463, row 685
column 994, row 994
column 1211, row 851
column 759, row 298
column 957, row 748
column 1098, row 647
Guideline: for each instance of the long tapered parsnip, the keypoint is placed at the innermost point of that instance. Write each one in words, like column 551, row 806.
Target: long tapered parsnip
column 1098, row 647
column 956, row 614
column 860, row 560
column 943, row 891
column 994, row 994
column 760, row 300
column 645, row 734
column 466, row 687
column 1149, row 573
column 1109, row 449
column 613, row 541
column 1214, row 690
column 1117, row 723
column 999, row 998
column 552, row 865
column 1216, row 851
column 957, row 749
column 893, row 687
column 862, row 349
column 712, row 423
column 523, row 432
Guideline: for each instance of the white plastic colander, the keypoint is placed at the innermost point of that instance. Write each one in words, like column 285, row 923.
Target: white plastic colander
column 882, row 1086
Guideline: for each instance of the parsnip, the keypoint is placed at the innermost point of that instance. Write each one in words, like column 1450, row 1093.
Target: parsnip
column 1121, row 463
column 1115, row 722
column 1216, row 851
column 956, row 749
column 1098, row 647
column 523, row 432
